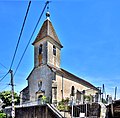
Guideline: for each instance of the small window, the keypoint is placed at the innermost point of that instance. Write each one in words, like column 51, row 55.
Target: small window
column 40, row 49
column 72, row 91
column 40, row 85
column 54, row 77
column 54, row 50
column 55, row 92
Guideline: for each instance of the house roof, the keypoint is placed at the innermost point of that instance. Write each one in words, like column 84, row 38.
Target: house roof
column 80, row 80
column 47, row 29
column 68, row 75
column 30, row 73
column 74, row 77
column 24, row 89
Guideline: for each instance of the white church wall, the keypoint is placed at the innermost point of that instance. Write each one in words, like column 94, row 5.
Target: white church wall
column 44, row 74
column 66, row 84
column 53, row 59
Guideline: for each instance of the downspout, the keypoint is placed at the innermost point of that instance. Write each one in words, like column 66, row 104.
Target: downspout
column 62, row 87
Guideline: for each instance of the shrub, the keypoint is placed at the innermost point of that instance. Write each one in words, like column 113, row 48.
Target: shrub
column 87, row 97
column 63, row 105
column 2, row 115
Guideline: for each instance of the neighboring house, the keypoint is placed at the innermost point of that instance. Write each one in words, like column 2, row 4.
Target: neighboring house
column 47, row 77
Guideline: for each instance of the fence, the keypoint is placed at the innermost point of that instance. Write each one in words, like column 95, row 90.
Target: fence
column 90, row 110
column 87, row 109
column 113, row 110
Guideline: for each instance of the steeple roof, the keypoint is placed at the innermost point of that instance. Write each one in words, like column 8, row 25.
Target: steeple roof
column 47, row 29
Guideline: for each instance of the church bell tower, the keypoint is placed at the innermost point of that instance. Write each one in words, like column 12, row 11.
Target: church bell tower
column 47, row 46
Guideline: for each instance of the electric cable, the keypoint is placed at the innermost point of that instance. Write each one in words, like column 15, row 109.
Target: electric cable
column 31, row 37
column 3, row 66
column 20, row 35
column 4, row 88
column 4, row 76
column 17, row 43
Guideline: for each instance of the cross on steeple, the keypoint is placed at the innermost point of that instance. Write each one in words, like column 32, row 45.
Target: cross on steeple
column 48, row 13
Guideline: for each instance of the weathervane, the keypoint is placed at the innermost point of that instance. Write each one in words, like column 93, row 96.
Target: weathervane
column 48, row 13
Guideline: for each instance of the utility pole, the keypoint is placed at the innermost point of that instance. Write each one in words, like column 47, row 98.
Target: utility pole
column 12, row 91
column 115, row 93
column 103, row 90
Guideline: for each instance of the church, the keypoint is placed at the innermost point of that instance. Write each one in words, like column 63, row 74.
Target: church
column 47, row 78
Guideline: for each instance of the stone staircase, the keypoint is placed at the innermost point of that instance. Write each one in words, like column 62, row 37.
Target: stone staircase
column 55, row 110
column 61, row 114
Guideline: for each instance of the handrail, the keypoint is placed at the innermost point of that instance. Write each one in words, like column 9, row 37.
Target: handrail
column 55, row 110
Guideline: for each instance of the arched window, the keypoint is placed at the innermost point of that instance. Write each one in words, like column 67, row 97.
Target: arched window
column 40, row 54
column 72, row 91
column 40, row 49
column 40, row 85
column 54, row 50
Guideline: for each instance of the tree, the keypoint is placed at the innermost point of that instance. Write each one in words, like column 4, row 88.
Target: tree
column 2, row 115
column 6, row 97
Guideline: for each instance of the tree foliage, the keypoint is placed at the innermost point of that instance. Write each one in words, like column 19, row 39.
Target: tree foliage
column 63, row 105
column 6, row 97
column 2, row 115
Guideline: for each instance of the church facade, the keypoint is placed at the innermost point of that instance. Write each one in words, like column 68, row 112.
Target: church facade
column 47, row 77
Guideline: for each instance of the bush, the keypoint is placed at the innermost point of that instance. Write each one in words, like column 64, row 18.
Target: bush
column 63, row 105
column 2, row 115
column 87, row 97
column 6, row 97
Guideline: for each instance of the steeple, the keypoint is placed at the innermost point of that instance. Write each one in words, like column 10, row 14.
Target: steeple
column 47, row 30
column 47, row 46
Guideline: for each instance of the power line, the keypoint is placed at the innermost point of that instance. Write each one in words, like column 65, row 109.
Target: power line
column 20, row 35
column 4, row 76
column 2, row 73
column 31, row 37
column 4, row 88
column 3, row 66
column 3, row 83
column 17, row 43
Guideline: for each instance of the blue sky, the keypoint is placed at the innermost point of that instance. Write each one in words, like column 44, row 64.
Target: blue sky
column 88, row 29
